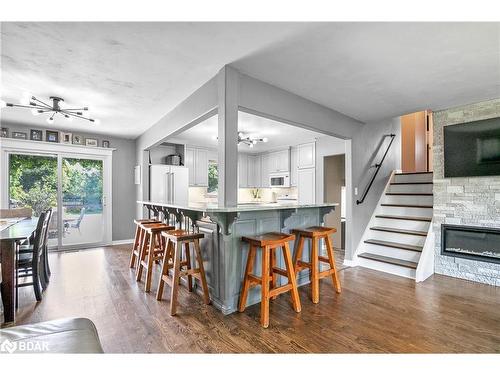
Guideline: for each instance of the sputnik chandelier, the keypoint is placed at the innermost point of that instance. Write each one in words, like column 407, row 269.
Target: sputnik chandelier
column 250, row 142
column 38, row 107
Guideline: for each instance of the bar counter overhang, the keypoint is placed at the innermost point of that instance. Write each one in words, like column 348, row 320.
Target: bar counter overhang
column 224, row 254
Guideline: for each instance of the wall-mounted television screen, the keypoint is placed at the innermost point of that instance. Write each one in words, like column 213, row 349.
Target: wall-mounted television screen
column 472, row 149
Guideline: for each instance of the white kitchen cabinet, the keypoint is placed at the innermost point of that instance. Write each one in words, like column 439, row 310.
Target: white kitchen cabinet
column 306, row 185
column 306, row 155
column 254, row 165
column 189, row 163
column 196, row 160
column 293, row 166
column 264, row 170
column 242, row 170
column 279, row 161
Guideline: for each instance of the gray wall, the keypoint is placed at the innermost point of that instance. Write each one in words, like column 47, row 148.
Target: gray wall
column 122, row 183
column 466, row 200
column 368, row 146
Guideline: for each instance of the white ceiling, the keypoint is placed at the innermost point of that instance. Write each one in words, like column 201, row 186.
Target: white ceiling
column 131, row 74
column 278, row 134
column 371, row 71
column 128, row 74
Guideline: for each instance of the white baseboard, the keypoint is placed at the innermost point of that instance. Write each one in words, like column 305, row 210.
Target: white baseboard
column 350, row 263
column 122, row 242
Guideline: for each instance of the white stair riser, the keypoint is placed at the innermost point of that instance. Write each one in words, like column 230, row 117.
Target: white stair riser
column 419, row 177
column 427, row 188
column 388, row 268
column 407, row 239
column 426, row 200
column 406, row 211
column 403, row 224
column 412, row 256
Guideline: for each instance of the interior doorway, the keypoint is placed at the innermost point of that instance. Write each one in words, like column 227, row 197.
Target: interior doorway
column 335, row 191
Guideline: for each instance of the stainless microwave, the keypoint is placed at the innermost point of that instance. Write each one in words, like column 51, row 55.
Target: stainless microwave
column 279, row 179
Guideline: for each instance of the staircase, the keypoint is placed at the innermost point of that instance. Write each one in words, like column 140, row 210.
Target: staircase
column 397, row 233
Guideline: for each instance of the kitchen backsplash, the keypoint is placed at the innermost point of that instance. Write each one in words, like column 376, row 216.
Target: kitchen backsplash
column 199, row 194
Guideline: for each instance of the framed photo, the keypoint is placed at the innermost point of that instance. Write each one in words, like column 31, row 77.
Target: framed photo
column 4, row 133
column 52, row 136
column 92, row 142
column 105, row 144
column 19, row 135
column 77, row 139
column 66, row 137
column 36, row 135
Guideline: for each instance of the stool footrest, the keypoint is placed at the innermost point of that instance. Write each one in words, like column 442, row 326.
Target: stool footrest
column 279, row 290
column 326, row 273
column 280, row 271
column 323, row 259
column 254, row 280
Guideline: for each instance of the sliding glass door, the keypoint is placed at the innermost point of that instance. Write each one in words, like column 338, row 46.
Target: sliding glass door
column 82, row 201
column 74, row 186
column 33, row 183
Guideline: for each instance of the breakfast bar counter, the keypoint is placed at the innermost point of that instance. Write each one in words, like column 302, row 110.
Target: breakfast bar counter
column 224, row 254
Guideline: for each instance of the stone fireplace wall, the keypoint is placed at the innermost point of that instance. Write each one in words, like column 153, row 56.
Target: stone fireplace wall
column 465, row 200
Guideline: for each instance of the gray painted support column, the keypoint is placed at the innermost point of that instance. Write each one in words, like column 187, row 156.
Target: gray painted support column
column 228, row 90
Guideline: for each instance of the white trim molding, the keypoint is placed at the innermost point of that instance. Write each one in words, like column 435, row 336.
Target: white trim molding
column 122, row 242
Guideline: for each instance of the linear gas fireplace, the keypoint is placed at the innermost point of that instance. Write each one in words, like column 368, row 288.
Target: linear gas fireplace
column 477, row 243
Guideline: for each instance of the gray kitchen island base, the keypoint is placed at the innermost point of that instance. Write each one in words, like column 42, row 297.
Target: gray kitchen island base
column 225, row 255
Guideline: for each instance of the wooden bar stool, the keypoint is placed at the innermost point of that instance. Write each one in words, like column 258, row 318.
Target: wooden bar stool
column 316, row 233
column 172, row 259
column 139, row 232
column 269, row 242
column 152, row 249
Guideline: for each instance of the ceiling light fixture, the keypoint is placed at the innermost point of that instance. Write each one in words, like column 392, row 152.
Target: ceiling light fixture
column 37, row 107
column 250, row 142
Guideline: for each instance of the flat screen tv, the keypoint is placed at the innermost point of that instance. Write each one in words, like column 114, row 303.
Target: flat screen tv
column 472, row 149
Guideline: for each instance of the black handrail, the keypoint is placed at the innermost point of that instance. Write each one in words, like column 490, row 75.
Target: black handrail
column 359, row 201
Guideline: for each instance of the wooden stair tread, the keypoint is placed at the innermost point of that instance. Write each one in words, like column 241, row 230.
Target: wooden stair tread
column 396, row 217
column 395, row 245
column 411, row 183
column 424, row 194
column 406, row 205
column 381, row 258
column 401, row 231
column 407, row 173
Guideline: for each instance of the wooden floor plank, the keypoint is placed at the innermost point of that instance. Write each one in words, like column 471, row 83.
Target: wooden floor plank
column 375, row 313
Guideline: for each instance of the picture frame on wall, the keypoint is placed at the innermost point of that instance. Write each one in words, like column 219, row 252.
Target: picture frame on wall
column 91, row 142
column 52, row 136
column 77, row 139
column 66, row 138
column 4, row 132
column 105, row 144
column 19, row 135
column 36, row 135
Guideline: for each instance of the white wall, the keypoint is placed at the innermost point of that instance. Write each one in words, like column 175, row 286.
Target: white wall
column 325, row 146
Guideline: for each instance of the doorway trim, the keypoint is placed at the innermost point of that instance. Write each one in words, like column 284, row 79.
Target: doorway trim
column 9, row 146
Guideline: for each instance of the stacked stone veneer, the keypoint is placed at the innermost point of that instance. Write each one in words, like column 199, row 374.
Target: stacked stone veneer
column 467, row 201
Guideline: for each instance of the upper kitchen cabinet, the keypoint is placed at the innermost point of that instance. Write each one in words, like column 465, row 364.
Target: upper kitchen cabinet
column 242, row 170
column 196, row 159
column 306, row 155
column 254, row 171
column 279, row 161
column 264, row 170
column 293, row 166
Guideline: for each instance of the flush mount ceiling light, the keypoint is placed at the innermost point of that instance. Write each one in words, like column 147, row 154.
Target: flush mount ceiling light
column 38, row 107
column 250, row 142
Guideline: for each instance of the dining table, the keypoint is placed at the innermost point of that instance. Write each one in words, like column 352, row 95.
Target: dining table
column 12, row 232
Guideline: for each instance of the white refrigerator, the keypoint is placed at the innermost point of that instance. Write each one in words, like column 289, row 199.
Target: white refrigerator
column 168, row 184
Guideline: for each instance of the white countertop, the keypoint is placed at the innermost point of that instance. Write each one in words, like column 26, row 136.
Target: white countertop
column 214, row 207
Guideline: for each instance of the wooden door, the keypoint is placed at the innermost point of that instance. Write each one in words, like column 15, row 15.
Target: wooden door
column 414, row 152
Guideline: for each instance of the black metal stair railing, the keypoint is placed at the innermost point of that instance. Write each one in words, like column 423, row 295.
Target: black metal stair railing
column 377, row 168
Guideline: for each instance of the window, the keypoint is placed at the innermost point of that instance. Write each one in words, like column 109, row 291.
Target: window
column 213, row 177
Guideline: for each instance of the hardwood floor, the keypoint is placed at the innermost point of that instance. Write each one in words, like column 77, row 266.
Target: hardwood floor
column 376, row 313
